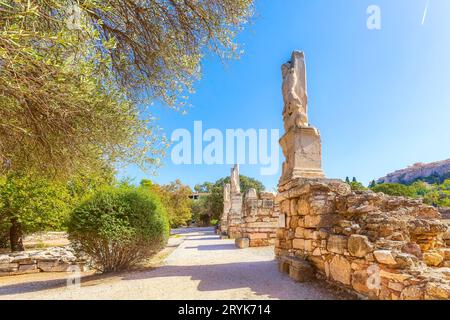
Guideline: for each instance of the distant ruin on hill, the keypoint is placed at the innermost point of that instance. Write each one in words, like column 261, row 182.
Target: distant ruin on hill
column 435, row 172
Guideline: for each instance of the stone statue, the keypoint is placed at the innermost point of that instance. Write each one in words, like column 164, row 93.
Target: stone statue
column 295, row 96
column 301, row 144
column 235, row 185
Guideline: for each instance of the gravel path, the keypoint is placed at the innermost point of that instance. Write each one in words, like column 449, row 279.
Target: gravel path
column 202, row 267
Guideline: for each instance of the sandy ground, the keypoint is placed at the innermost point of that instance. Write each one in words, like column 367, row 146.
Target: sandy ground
column 202, row 266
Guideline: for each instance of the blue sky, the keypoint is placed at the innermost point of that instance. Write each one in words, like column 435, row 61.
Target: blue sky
column 380, row 98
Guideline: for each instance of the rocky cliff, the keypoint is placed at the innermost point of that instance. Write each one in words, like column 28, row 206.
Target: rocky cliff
column 430, row 172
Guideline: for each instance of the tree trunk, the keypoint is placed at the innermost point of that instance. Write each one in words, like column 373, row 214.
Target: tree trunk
column 15, row 236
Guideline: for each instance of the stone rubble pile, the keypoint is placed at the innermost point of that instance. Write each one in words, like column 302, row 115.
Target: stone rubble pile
column 56, row 259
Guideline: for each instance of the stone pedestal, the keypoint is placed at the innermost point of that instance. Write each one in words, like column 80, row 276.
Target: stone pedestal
column 302, row 149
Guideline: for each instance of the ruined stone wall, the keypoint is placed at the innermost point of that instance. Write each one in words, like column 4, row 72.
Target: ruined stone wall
column 260, row 220
column 235, row 216
column 56, row 259
column 378, row 246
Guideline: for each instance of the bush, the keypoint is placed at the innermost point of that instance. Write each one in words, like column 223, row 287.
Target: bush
column 118, row 227
column 395, row 189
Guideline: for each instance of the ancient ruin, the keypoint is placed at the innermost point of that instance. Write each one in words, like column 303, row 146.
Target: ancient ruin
column 374, row 245
column 251, row 219
column 234, row 218
column 301, row 144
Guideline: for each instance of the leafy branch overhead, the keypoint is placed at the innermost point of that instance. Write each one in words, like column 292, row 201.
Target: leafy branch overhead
column 72, row 93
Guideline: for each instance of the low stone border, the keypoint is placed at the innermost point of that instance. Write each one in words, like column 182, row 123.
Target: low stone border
column 56, row 259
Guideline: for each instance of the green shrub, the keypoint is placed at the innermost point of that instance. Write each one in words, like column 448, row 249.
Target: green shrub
column 395, row 189
column 118, row 227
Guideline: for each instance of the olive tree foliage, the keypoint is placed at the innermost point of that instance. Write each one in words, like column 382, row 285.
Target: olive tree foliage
column 62, row 111
column 160, row 43
column 72, row 93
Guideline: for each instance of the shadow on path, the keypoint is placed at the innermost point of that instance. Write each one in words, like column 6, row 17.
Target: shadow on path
column 258, row 276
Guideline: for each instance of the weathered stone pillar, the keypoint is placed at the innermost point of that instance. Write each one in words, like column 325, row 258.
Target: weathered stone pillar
column 235, row 213
column 226, row 209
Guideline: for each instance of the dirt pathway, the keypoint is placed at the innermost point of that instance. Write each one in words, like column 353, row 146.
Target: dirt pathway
column 201, row 267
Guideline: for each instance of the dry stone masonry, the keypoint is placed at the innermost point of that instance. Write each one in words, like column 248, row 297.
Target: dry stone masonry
column 250, row 219
column 56, row 259
column 377, row 246
column 260, row 220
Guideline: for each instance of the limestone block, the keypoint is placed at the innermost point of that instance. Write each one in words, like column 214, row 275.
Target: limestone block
column 337, row 244
column 384, row 257
column 22, row 259
column 340, row 269
column 283, row 266
column 285, row 207
column 432, row 259
column 301, row 272
column 9, row 267
column 242, row 243
column 251, row 194
column 28, row 268
column 311, row 234
column 300, row 232
column 4, row 258
column 399, row 277
column 437, row 291
column 359, row 281
column 414, row 249
column 303, row 207
column 298, row 244
column 256, row 225
column 396, row 286
column 293, row 222
column 412, row 293
column 282, row 221
column 359, row 246
column 445, row 253
column 309, row 245
column 318, row 262
column 321, row 221
column 253, row 236
column 293, row 207
column 303, row 150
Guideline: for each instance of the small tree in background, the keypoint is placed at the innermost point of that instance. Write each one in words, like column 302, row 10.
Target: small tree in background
column 30, row 203
column 175, row 198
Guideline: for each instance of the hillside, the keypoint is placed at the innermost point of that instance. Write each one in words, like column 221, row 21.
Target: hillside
column 435, row 172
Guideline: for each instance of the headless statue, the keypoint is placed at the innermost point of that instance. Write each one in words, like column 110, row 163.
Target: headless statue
column 295, row 97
